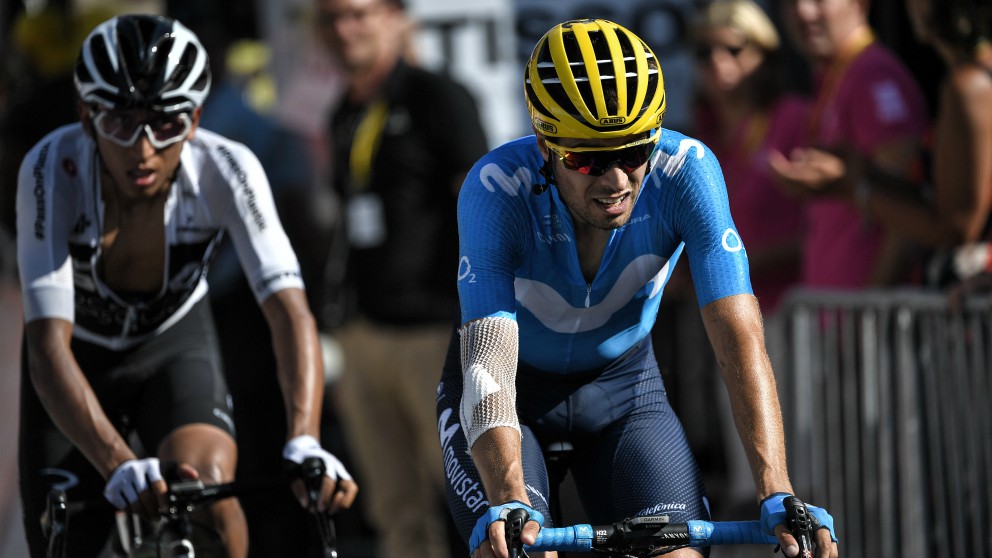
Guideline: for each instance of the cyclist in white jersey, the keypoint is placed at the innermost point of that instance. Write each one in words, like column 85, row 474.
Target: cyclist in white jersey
column 118, row 219
column 567, row 239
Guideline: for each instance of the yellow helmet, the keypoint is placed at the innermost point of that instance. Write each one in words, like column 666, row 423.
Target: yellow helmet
column 571, row 84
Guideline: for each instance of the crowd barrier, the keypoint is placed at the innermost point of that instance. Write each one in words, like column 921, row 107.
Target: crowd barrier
column 888, row 410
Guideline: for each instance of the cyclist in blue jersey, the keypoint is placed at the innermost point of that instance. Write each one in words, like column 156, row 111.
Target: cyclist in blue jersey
column 119, row 217
column 567, row 239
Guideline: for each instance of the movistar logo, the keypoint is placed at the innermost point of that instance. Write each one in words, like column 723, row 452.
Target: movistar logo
column 611, row 120
column 546, row 127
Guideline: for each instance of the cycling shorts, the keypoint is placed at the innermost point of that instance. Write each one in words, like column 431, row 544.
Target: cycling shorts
column 630, row 457
column 147, row 391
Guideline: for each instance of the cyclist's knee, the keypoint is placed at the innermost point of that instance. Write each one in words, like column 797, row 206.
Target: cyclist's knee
column 211, row 451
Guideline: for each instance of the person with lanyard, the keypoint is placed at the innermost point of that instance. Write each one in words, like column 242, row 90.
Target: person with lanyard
column 865, row 101
column 567, row 239
column 402, row 139
column 118, row 218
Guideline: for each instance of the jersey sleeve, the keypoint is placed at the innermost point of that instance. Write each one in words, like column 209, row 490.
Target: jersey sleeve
column 700, row 210
column 492, row 221
column 44, row 218
column 266, row 256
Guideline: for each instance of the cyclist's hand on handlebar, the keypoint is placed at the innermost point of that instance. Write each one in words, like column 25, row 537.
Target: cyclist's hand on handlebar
column 488, row 538
column 137, row 484
column 774, row 520
column 337, row 490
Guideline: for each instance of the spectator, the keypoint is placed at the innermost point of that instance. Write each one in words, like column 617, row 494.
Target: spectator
column 402, row 141
column 742, row 113
column 115, row 238
column 956, row 214
column 867, row 102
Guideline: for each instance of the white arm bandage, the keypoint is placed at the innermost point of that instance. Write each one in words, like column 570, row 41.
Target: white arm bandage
column 489, row 367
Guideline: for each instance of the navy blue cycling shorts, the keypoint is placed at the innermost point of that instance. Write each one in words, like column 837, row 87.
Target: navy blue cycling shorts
column 630, row 455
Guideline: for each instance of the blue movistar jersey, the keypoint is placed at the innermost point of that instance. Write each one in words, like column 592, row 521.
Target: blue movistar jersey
column 518, row 257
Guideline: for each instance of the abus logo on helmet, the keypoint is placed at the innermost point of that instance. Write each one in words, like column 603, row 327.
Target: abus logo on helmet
column 546, row 127
column 611, row 120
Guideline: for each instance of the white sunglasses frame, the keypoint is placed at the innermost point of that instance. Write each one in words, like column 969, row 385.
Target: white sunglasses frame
column 184, row 117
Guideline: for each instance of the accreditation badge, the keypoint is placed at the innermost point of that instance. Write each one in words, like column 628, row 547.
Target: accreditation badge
column 366, row 220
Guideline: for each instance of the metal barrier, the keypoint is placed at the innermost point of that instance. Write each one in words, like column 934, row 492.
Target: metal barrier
column 888, row 408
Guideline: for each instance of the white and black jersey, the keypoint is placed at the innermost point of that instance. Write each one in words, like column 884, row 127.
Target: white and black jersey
column 220, row 187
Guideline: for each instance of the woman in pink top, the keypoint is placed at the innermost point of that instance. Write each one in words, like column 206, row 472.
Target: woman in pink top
column 742, row 114
column 961, row 164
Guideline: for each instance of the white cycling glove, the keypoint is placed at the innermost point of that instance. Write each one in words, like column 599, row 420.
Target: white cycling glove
column 302, row 447
column 130, row 479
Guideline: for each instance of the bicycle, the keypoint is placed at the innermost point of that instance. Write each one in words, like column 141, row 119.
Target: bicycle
column 645, row 536
column 172, row 533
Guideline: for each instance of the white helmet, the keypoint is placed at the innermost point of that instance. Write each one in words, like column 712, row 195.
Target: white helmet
column 143, row 61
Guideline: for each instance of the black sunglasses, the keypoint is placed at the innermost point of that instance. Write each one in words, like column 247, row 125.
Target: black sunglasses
column 705, row 52
column 594, row 161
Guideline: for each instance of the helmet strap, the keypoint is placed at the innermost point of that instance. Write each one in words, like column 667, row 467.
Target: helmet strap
column 548, row 172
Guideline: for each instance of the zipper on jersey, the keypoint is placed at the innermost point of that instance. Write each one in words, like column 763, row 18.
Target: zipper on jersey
column 588, row 292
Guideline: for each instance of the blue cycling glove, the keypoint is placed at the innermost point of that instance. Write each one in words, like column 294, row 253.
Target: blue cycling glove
column 498, row 513
column 773, row 513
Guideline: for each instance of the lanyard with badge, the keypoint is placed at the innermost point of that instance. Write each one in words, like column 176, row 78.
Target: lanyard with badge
column 365, row 214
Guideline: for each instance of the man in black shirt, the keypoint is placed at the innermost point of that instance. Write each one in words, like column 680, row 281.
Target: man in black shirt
column 403, row 139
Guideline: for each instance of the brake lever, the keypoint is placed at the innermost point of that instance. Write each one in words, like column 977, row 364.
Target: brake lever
column 312, row 472
column 800, row 524
column 513, row 528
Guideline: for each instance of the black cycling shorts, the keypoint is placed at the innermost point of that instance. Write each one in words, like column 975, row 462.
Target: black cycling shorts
column 147, row 391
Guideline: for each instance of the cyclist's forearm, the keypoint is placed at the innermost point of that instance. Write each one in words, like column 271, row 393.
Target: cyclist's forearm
column 298, row 359
column 496, row 454
column 760, row 428
column 69, row 399
column 735, row 330
column 757, row 415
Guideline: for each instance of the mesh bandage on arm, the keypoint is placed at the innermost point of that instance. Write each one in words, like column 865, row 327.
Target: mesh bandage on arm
column 489, row 369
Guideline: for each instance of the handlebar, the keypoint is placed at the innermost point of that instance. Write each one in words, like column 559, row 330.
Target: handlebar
column 192, row 495
column 649, row 532
column 655, row 534
column 184, row 497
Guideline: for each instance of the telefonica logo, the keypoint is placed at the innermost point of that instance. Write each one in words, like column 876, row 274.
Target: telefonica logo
column 610, row 120
column 546, row 127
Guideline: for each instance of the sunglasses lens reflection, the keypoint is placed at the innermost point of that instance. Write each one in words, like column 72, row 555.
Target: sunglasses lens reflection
column 595, row 163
